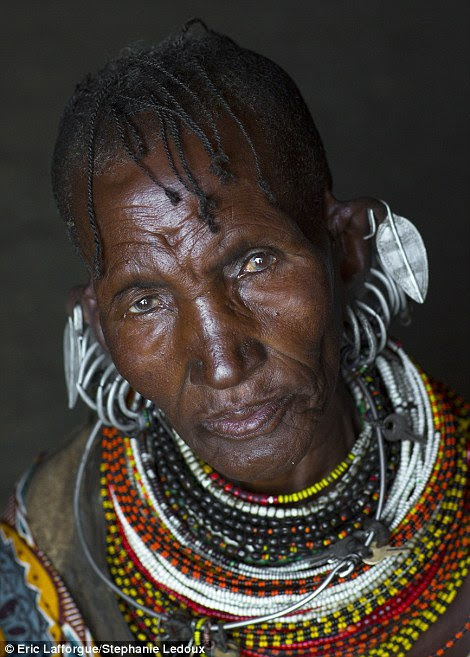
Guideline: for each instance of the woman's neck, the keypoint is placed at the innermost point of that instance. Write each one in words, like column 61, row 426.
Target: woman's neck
column 334, row 437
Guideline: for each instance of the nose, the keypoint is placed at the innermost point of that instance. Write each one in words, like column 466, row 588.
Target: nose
column 224, row 348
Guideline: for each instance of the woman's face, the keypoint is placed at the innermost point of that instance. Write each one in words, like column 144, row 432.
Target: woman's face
column 233, row 334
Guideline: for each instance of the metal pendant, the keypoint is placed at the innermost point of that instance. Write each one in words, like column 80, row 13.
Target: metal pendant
column 73, row 352
column 379, row 553
column 402, row 254
column 396, row 427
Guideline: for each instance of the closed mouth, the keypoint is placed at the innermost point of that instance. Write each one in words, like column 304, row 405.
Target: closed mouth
column 249, row 421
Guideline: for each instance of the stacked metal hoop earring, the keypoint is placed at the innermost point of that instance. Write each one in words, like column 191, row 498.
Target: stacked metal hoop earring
column 91, row 374
column 368, row 319
column 399, row 270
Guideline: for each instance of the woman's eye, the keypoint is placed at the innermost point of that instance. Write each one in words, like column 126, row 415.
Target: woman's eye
column 257, row 262
column 144, row 305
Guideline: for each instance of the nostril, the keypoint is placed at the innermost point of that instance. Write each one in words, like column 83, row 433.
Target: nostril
column 253, row 352
column 226, row 365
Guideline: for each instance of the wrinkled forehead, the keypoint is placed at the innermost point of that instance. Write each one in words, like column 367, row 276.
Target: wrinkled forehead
column 190, row 171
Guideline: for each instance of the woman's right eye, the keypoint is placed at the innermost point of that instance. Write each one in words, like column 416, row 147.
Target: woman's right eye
column 144, row 305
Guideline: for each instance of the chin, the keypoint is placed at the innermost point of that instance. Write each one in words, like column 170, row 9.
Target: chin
column 261, row 458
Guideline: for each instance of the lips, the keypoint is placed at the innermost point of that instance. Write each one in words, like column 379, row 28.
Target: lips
column 249, row 421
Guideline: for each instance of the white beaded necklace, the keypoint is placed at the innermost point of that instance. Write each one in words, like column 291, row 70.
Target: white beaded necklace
column 358, row 452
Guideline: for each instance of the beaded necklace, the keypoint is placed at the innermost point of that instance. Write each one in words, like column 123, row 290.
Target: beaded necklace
column 183, row 542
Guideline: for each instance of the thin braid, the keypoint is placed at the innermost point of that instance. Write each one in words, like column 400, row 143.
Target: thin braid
column 154, row 104
column 190, row 184
column 194, row 21
column 97, row 260
column 263, row 185
column 141, row 150
column 173, row 196
column 186, row 118
column 206, row 205
column 163, row 114
column 217, row 159
column 223, row 158
column 166, row 146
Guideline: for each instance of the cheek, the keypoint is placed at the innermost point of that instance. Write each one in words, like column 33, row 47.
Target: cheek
column 142, row 351
column 301, row 316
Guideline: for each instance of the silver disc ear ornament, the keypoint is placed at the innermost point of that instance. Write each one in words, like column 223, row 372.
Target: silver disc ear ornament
column 399, row 269
column 73, row 353
column 402, row 253
column 91, row 374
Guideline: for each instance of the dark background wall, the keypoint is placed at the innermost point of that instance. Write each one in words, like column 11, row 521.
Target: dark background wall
column 387, row 83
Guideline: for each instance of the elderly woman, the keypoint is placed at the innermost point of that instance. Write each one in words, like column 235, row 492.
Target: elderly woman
column 266, row 473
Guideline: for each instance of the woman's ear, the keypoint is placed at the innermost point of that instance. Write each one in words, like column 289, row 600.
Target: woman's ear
column 348, row 223
column 85, row 296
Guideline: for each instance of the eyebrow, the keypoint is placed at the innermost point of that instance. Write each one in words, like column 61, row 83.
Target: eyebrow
column 239, row 249
column 233, row 253
column 135, row 285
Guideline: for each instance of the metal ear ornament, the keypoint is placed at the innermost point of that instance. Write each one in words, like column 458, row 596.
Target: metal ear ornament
column 402, row 253
column 91, row 374
column 73, row 353
column 399, row 270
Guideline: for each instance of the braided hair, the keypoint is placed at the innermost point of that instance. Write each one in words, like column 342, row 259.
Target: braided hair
column 185, row 84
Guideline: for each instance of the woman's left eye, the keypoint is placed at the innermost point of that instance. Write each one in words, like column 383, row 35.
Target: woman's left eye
column 257, row 262
column 144, row 305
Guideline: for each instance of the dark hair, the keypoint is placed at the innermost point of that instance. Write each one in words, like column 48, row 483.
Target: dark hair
column 186, row 83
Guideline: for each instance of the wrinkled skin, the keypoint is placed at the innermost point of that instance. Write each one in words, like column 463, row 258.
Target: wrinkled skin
column 234, row 335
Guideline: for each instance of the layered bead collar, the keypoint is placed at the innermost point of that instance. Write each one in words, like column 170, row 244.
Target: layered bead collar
column 202, row 553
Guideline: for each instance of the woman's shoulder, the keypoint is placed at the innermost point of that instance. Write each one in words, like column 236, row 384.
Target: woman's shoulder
column 35, row 603
column 49, row 500
column 41, row 515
